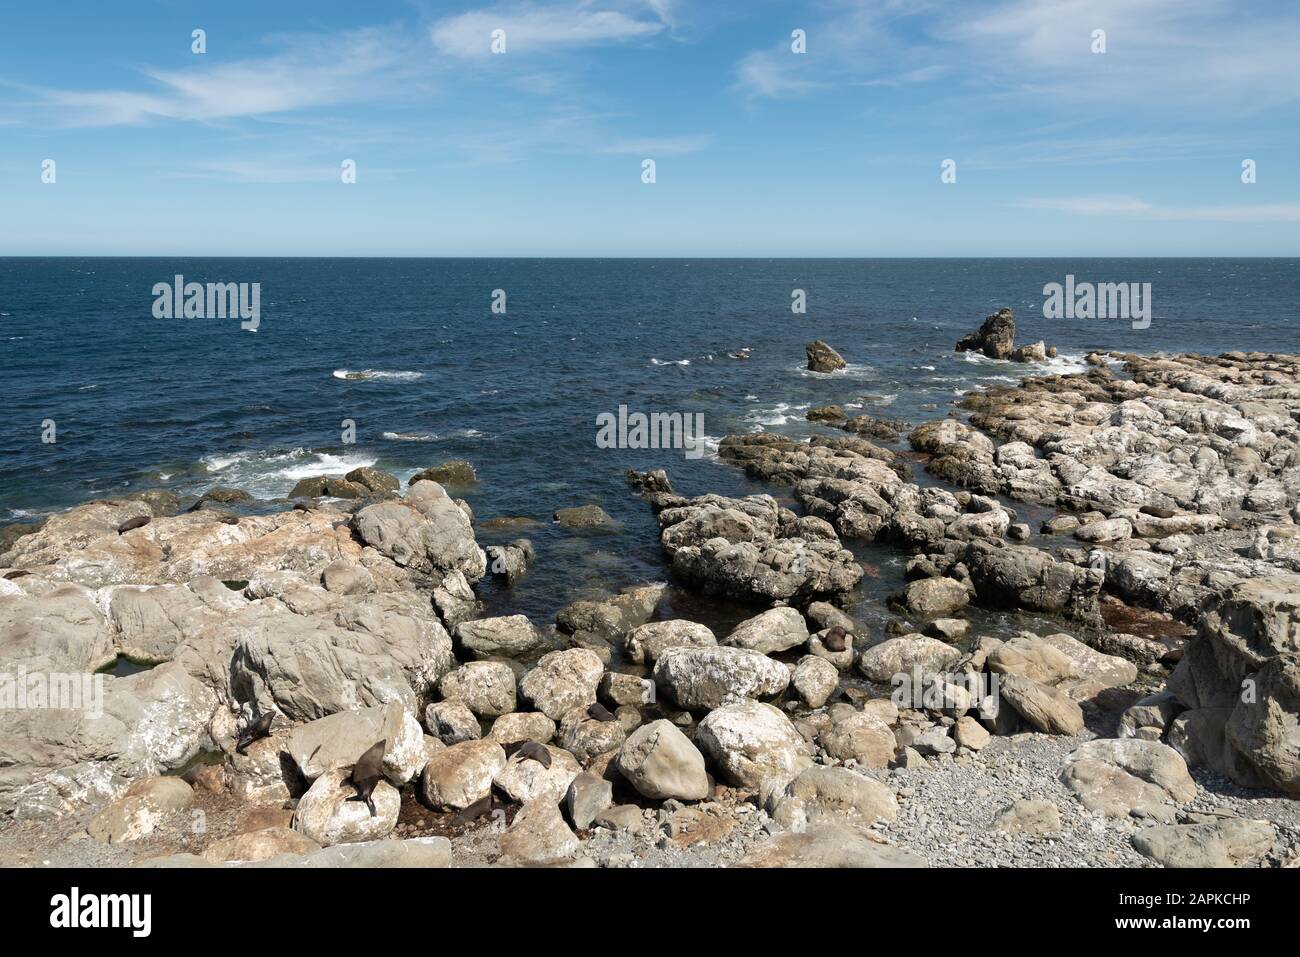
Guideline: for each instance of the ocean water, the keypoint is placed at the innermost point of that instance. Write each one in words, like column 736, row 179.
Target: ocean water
column 141, row 402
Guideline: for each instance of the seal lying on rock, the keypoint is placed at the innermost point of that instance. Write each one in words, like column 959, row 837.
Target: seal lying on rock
column 836, row 639
column 600, row 712
column 261, row 728
column 140, row 521
column 530, row 749
column 367, row 772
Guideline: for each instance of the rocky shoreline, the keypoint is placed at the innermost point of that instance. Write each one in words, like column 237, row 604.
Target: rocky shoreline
column 1155, row 722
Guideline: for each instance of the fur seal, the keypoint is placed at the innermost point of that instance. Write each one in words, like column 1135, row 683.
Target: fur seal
column 836, row 639
column 600, row 712
column 367, row 772
column 530, row 749
column 1155, row 511
column 476, row 810
column 140, row 521
column 261, row 728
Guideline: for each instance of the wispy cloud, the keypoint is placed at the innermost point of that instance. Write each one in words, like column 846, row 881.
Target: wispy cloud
column 543, row 28
column 275, row 170
column 308, row 72
column 664, row 146
column 1191, row 54
column 1135, row 208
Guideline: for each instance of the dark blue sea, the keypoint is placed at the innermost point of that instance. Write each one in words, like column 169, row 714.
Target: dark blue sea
column 142, row 402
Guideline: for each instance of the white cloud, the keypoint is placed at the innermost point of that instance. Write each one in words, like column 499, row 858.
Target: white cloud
column 1160, row 54
column 665, row 146
column 311, row 71
column 533, row 28
column 1132, row 207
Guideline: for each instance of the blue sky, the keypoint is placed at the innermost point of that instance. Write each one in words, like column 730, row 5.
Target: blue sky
column 759, row 151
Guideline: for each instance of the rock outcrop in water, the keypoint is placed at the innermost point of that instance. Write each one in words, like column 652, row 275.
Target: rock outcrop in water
column 822, row 358
column 996, row 338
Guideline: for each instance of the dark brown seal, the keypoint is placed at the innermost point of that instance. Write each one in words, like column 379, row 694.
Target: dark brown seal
column 140, row 521
column 600, row 712
column 836, row 639
column 530, row 749
column 367, row 772
column 261, row 728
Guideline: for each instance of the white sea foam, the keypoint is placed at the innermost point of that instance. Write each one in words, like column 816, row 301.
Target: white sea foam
column 355, row 375
column 780, row 414
column 854, row 370
column 410, row 436
column 670, row 362
column 270, row 473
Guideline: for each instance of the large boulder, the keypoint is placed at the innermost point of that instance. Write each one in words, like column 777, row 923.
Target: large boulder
column 461, row 774
column 822, row 795
column 524, row 779
column 645, row 643
column 1045, row 708
column 509, row 636
column 814, row 680
column 610, row 619
column 707, row 678
column 862, row 737
column 1021, row 576
column 1240, row 679
column 562, row 680
column 900, row 656
column 585, row 737
column 374, row 650
column 934, row 597
column 487, row 688
column 1116, row 776
column 995, row 338
column 661, row 763
column 822, row 358
column 773, row 631
column 539, row 835
column 330, row 814
column 752, row 550
column 1230, row 842
column 338, row 740
column 753, row 745
column 140, row 809
column 425, row 531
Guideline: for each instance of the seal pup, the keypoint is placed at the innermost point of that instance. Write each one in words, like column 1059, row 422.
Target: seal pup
column 140, row 521
column 366, row 774
column 600, row 712
column 530, row 749
column 836, row 639
column 261, row 728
